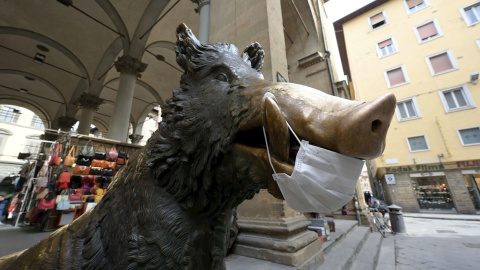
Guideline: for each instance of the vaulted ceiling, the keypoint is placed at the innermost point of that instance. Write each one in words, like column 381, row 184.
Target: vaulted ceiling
column 80, row 40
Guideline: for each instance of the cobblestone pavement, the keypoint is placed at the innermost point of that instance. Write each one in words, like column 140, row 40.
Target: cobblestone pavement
column 438, row 244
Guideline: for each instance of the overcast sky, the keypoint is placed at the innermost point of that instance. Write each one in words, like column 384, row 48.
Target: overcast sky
column 336, row 9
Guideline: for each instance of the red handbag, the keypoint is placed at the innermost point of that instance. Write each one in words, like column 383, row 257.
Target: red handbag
column 55, row 159
column 112, row 154
column 77, row 196
column 64, row 180
column 44, row 204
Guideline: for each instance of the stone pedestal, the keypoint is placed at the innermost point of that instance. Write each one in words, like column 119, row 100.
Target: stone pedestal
column 276, row 233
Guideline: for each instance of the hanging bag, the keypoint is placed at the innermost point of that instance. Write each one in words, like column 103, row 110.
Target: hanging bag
column 63, row 203
column 63, row 180
column 112, row 154
column 109, row 165
column 55, row 159
column 47, row 202
column 70, row 158
column 101, row 155
column 88, row 150
column 75, row 196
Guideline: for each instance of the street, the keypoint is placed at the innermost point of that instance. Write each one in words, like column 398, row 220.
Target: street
column 438, row 244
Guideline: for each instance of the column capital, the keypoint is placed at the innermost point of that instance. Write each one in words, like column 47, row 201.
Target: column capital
column 200, row 4
column 130, row 65
column 89, row 101
column 135, row 138
column 66, row 122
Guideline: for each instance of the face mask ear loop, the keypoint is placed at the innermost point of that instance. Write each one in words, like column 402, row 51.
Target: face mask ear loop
column 291, row 129
column 268, row 150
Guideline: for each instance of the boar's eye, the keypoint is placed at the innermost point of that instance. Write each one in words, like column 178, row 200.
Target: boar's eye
column 222, row 77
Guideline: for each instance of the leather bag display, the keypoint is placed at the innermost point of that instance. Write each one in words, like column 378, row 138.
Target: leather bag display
column 109, row 165
column 81, row 170
column 76, row 196
column 107, row 172
column 55, row 159
column 75, row 181
column 70, row 158
column 84, row 161
column 121, row 161
column 98, row 163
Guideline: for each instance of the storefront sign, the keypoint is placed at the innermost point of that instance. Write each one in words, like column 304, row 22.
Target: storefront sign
column 390, row 178
column 415, row 168
column 467, row 164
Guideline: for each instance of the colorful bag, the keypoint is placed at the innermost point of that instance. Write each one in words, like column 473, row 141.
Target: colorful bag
column 70, row 158
column 98, row 163
column 76, row 197
column 109, row 165
column 55, row 159
column 121, row 161
column 81, row 170
column 63, row 200
column 64, row 180
column 88, row 181
column 48, row 202
column 88, row 151
column 112, row 154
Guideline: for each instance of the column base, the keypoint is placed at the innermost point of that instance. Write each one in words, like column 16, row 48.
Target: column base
column 287, row 242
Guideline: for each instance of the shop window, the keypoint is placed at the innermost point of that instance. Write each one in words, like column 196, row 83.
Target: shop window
column 396, row 76
column 377, row 20
column 407, row 109
column 455, row 99
column 432, row 193
column 414, row 5
column 471, row 13
column 441, row 63
column 427, row 31
column 386, row 47
column 472, row 182
column 470, row 136
column 9, row 115
column 418, row 143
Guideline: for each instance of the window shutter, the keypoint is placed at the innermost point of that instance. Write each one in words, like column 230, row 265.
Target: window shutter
column 427, row 30
column 413, row 3
column 440, row 63
column 385, row 43
column 377, row 18
column 395, row 76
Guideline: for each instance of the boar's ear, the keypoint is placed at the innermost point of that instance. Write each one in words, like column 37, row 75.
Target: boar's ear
column 186, row 46
column 253, row 55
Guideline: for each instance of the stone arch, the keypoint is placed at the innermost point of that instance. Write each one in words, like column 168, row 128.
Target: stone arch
column 40, row 79
column 28, row 104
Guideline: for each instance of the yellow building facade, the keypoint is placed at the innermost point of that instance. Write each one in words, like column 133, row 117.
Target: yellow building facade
column 426, row 52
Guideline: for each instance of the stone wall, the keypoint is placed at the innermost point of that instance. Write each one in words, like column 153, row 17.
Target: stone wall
column 403, row 194
column 459, row 192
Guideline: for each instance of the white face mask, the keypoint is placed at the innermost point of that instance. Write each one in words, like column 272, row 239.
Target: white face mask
column 322, row 180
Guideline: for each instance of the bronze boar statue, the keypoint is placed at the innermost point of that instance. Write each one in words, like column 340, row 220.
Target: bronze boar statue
column 170, row 207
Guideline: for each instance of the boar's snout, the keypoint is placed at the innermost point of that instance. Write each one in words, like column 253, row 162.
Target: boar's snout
column 364, row 128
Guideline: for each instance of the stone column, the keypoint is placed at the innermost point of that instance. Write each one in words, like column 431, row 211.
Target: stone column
column 65, row 123
column 204, row 24
column 89, row 104
column 130, row 69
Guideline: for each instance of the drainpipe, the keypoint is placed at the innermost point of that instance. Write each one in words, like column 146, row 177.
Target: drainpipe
column 327, row 55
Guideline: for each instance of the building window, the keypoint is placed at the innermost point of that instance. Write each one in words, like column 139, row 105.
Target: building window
column 414, row 5
column 470, row 136
column 471, row 13
column 386, row 47
column 478, row 43
column 440, row 63
column 407, row 109
column 377, row 20
column 428, row 31
column 37, row 122
column 9, row 115
column 396, row 76
column 455, row 99
column 418, row 143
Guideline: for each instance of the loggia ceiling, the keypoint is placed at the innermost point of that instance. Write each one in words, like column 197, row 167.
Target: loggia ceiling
column 80, row 43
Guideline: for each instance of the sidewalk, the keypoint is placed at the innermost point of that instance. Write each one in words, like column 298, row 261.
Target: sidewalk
column 444, row 216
